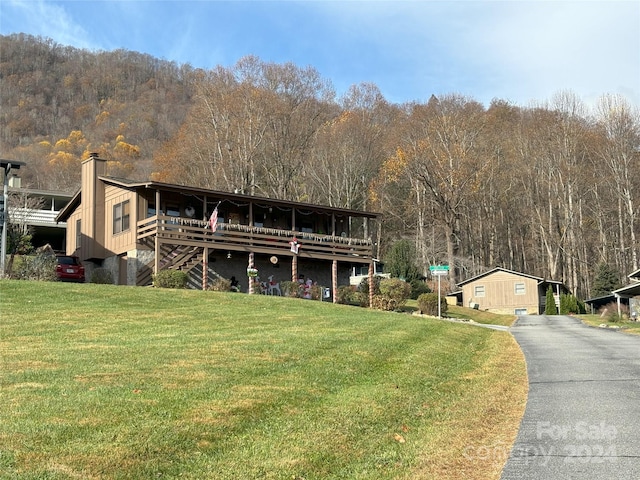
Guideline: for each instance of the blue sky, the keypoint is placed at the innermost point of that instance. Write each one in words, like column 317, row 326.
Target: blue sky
column 520, row 51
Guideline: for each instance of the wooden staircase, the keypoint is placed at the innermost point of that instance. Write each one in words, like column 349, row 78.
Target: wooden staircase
column 179, row 257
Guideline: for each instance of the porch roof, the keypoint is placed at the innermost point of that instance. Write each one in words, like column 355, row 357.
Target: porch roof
column 213, row 194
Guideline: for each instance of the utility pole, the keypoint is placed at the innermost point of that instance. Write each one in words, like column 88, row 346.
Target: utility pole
column 6, row 165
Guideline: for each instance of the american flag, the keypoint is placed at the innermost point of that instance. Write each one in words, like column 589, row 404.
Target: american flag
column 213, row 221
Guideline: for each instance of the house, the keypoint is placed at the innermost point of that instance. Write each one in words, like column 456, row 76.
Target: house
column 137, row 228
column 630, row 295
column 504, row 291
column 35, row 211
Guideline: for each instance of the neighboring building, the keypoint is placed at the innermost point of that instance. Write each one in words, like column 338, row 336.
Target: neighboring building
column 137, row 228
column 360, row 272
column 505, row 291
column 630, row 295
column 35, row 211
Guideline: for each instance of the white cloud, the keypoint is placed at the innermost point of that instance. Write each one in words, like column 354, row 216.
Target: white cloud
column 43, row 18
column 515, row 50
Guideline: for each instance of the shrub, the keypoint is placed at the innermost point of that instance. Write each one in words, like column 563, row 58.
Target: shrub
column 570, row 304
column 610, row 312
column 170, row 279
column 41, row 266
column 102, row 276
column 316, row 292
column 418, row 287
column 383, row 302
column 396, row 290
column 289, row 289
column 428, row 304
column 220, row 285
column 346, row 295
column 550, row 306
column 364, row 285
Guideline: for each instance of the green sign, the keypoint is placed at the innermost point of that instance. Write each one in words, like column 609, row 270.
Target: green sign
column 439, row 267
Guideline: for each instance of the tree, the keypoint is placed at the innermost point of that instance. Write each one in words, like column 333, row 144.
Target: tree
column 442, row 146
column 619, row 152
column 605, row 281
column 550, row 307
column 399, row 261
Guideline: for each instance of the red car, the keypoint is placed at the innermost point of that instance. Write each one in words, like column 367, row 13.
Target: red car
column 69, row 269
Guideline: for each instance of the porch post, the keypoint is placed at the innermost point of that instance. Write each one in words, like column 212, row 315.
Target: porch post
column 205, row 267
column 156, row 266
column 251, row 265
column 156, row 263
column 371, row 284
column 294, row 268
column 334, row 281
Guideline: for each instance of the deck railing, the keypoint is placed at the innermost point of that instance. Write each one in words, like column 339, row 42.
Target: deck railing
column 234, row 237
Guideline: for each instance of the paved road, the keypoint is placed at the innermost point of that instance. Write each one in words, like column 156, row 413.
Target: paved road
column 582, row 419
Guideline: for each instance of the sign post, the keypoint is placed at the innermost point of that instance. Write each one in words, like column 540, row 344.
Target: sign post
column 439, row 271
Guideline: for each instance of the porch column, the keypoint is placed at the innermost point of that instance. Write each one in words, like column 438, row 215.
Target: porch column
column 156, row 266
column 251, row 265
column 371, row 284
column 205, row 267
column 156, row 263
column 294, row 269
column 334, row 281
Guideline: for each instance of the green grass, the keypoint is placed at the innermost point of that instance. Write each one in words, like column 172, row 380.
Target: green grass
column 106, row 382
column 480, row 316
column 596, row 321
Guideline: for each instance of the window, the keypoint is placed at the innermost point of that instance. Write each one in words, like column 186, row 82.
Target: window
column 519, row 289
column 78, row 233
column 121, row 217
column 478, row 291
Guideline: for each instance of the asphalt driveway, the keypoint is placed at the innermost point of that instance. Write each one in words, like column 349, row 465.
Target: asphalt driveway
column 582, row 419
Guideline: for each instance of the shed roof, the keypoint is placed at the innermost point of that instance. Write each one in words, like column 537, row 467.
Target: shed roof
column 540, row 280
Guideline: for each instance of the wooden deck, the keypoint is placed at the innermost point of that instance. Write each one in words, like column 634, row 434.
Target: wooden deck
column 245, row 238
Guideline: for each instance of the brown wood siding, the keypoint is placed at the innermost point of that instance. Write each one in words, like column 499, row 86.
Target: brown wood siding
column 92, row 209
column 499, row 293
column 71, row 248
column 122, row 242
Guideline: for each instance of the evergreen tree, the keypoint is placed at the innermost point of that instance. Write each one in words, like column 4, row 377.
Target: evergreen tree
column 605, row 281
column 400, row 262
column 550, row 308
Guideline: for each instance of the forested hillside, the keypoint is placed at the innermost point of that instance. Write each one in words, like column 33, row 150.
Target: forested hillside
column 551, row 190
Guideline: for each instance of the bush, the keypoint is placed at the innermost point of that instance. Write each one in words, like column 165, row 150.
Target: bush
column 550, row 306
column 102, row 276
column 346, row 295
column 396, row 290
column 316, row 292
column 428, row 304
column 364, row 285
column 289, row 289
column 570, row 304
column 610, row 312
column 220, row 285
column 383, row 302
column 418, row 287
column 41, row 266
column 170, row 279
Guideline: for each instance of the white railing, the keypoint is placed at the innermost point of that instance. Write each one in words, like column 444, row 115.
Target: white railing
column 30, row 216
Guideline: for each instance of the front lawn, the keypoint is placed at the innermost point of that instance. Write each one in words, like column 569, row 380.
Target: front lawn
column 598, row 321
column 108, row 382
